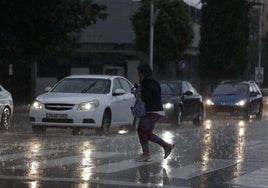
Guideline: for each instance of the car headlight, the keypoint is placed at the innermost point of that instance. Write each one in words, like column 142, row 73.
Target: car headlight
column 241, row 103
column 209, row 102
column 168, row 105
column 88, row 105
column 37, row 105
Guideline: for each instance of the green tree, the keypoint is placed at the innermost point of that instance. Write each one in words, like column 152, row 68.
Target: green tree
column 224, row 39
column 173, row 31
column 33, row 29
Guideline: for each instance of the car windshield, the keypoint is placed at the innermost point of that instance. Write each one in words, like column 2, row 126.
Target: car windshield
column 231, row 89
column 264, row 92
column 170, row 88
column 83, row 85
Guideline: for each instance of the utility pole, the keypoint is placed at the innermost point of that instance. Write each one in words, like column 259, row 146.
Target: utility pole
column 259, row 70
column 151, row 45
column 260, row 34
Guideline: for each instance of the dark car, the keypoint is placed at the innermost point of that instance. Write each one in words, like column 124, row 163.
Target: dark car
column 181, row 102
column 264, row 92
column 237, row 98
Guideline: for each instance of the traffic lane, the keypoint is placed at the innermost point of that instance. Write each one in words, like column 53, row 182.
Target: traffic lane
column 220, row 143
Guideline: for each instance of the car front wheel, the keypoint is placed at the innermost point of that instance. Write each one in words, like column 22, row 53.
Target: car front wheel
column 5, row 123
column 247, row 113
column 259, row 114
column 105, row 127
column 200, row 117
column 133, row 127
column 177, row 119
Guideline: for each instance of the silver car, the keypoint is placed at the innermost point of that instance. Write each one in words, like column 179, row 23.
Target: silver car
column 6, row 108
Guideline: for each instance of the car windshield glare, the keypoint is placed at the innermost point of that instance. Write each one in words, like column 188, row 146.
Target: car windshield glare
column 83, row 85
column 170, row 88
column 231, row 89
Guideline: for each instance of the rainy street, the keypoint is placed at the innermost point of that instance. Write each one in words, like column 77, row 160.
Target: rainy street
column 220, row 153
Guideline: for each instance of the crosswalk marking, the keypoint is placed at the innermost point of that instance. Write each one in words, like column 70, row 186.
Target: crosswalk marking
column 185, row 173
column 198, row 169
column 123, row 165
column 258, row 178
column 79, row 180
column 67, row 160
column 11, row 157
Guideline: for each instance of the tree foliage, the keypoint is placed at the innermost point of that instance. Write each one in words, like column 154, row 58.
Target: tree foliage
column 173, row 31
column 32, row 29
column 224, row 39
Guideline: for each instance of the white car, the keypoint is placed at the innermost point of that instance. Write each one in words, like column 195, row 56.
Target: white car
column 6, row 108
column 84, row 101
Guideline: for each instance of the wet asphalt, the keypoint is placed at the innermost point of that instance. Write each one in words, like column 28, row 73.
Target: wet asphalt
column 223, row 152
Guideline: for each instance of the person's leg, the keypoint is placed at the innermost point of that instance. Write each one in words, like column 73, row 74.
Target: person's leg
column 151, row 119
column 145, row 133
column 142, row 129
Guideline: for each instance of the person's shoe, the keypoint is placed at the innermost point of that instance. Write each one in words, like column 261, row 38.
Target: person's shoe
column 143, row 158
column 168, row 150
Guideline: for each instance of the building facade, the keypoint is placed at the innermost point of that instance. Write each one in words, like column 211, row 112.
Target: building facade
column 108, row 47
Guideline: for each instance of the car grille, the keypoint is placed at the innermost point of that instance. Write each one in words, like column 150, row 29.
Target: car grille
column 59, row 107
column 49, row 120
column 231, row 109
column 224, row 108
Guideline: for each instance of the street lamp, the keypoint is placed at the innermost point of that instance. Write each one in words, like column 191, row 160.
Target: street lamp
column 151, row 45
column 151, row 42
column 260, row 34
column 259, row 69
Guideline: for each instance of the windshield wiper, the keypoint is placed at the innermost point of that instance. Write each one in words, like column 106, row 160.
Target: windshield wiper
column 171, row 88
column 89, row 87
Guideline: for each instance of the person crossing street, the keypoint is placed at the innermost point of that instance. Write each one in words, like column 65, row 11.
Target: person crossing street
column 150, row 93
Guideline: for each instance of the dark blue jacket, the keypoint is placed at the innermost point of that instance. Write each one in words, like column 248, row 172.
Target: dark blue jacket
column 151, row 94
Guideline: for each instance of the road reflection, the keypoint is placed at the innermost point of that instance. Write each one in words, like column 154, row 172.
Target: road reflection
column 86, row 166
column 207, row 141
column 217, row 143
column 33, row 165
column 240, row 147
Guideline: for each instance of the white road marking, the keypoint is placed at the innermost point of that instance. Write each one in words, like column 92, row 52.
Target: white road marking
column 258, row 178
column 123, row 165
column 11, row 157
column 198, row 169
column 67, row 160
column 78, row 180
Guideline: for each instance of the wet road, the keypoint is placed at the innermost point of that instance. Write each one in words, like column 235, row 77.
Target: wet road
column 220, row 153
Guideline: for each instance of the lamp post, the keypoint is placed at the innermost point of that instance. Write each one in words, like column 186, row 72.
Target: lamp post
column 259, row 70
column 151, row 41
column 151, row 45
column 260, row 34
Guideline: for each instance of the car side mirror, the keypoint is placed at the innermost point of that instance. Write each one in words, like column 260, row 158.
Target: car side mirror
column 47, row 89
column 188, row 93
column 253, row 94
column 118, row 92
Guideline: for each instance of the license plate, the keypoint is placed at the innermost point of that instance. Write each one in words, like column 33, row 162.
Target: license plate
column 223, row 113
column 56, row 116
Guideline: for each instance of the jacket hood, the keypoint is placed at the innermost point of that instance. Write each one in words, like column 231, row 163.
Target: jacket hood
column 145, row 69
